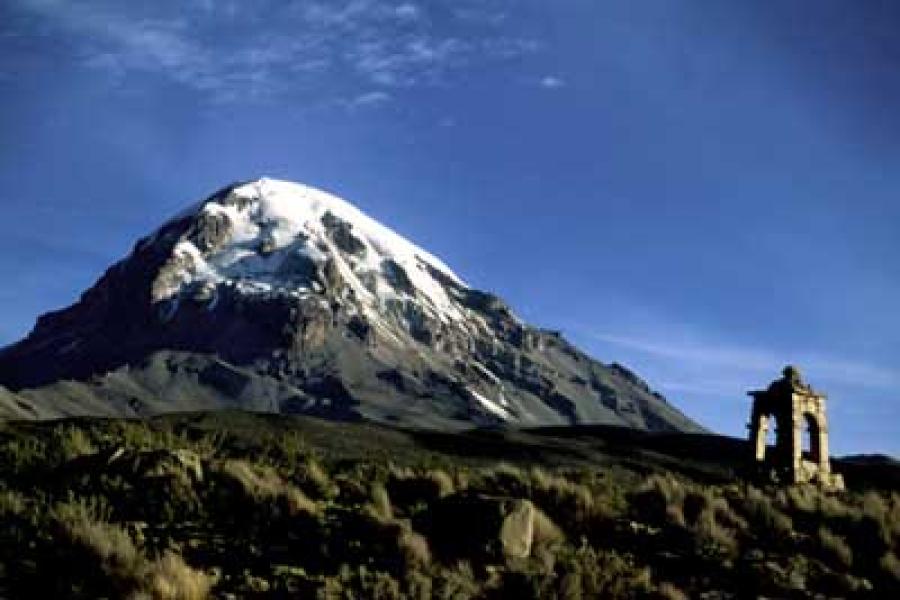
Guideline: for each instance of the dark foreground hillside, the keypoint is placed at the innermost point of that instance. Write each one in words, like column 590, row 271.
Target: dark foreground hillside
column 238, row 505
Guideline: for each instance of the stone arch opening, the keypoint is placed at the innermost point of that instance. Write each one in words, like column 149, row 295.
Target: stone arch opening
column 812, row 449
column 771, row 437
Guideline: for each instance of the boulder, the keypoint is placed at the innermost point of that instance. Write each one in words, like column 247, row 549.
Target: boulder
column 517, row 529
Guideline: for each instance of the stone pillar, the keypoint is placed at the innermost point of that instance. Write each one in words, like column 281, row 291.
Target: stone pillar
column 759, row 430
column 824, row 461
column 798, row 423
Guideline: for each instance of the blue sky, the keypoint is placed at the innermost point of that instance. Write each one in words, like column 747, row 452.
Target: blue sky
column 703, row 191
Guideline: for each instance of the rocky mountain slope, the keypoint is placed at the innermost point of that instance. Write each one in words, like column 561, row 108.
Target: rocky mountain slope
column 276, row 297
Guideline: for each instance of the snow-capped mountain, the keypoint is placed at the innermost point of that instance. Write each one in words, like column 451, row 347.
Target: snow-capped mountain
column 279, row 297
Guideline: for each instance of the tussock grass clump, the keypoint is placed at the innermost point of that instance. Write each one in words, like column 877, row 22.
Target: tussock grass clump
column 660, row 500
column 882, row 513
column 765, row 519
column 834, row 548
column 19, row 454
column 68, row 442
column 12, row 503
column 415, row 488
column 314, row 479
column 669, row 591
column 414, row 546
column 262, row 485
column 130, row 573
column 565, row 498
column 713, row 521
column 811, row 504
column 546, row 533
column 592, row 573
column 504, row 479
column 380, row 506
column 393, row 535
column 890, row 566
column 170, row 578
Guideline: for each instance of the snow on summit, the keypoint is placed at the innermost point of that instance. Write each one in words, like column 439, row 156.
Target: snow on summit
column 277, row 237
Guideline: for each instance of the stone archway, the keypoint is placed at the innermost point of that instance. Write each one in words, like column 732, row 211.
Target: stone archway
column 811, row 434
column 800, row 450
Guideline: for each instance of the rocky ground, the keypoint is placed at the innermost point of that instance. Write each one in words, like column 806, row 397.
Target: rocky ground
column 239, row 505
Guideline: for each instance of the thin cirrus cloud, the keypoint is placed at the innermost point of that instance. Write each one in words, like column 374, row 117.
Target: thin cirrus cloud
column 749, row 364
column 551, row 82
column 282, row 48
column 368, row 100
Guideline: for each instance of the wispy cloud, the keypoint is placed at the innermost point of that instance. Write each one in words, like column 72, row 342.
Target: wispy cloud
column 368, row 100
column 551, row 82
column 713, row 357
column 232, row 50
column 408, row 11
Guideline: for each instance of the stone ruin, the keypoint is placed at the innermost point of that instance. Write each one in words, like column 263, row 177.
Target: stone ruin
column 795, row 410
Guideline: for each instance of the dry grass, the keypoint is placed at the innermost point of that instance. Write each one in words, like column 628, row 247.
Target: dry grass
column 669, row 591
column 380, row 506
column 597, row 531
column 442, row 481
column 170, row 578
column 890, row 565
column 834, row 547
column 546, row 533
column 167, row 578
column 263, row 484
column 590, row 573
column 765, row 519
column 661, row 500
column 312, row 477
column 414, row 547
column 12, row 503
